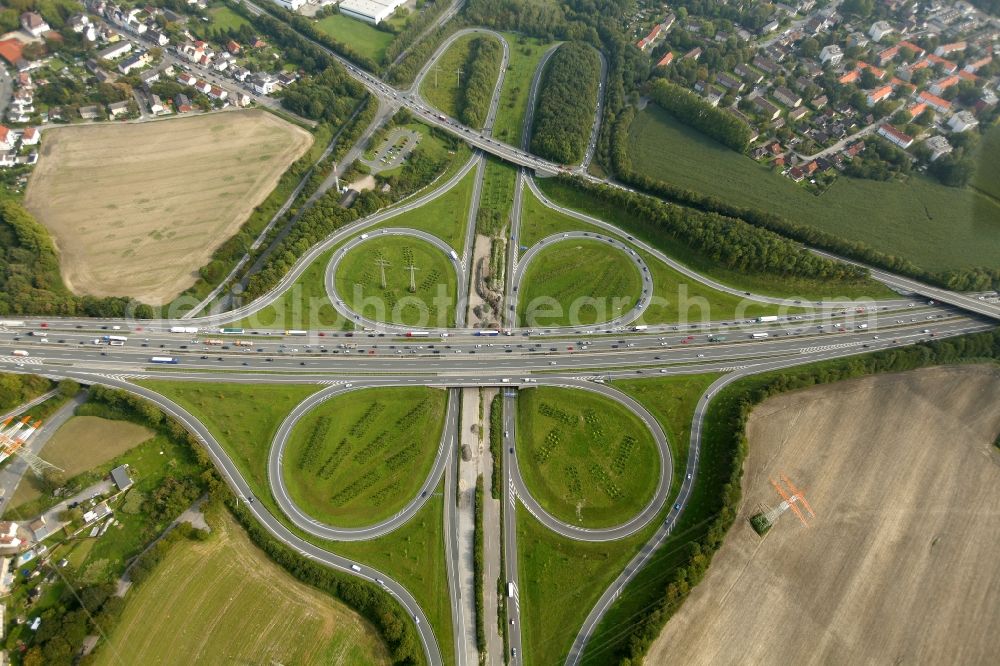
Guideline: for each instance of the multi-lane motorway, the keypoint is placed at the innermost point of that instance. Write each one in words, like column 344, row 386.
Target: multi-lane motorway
column 579, row 357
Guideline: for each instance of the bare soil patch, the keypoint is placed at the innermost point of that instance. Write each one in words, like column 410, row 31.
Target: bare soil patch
column 82, row 443
column 136, row 209
column 899, row 563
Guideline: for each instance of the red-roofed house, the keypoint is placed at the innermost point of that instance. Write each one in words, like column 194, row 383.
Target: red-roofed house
column 917, row 51
column 644, row 43
column 967, row 76
column 888, row 54
column 30, row 136
column 976, row 64
column 941, row 85
column 948, row 66
column 666, row 59
column 233, row 47
column 916, row 109
column 879, row 73
column 945, row 49
column 893, row 135
column 879, row 94
column 850, row 77
column 935, row 102
column 7, row 138
column 10, row 50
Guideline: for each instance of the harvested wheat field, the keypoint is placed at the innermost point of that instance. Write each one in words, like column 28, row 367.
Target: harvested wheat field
column 224, row 602
column 80, row 444
column 898, row 566
column 136, row 209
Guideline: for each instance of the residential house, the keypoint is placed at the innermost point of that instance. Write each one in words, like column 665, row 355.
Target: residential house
column 918, row 52
column 769, row 27
column 667, row 58
column 947, row 66
column 885, row 55
column 975, row 65
column 797, row 114
column 116, row 109
column 879, row 30
column 766, row 64
column 831, row 55
column 183, row 103
column 768, row 110
column 187, row 79
column 8, row 138
column 819, row 102
column 115, row 51
column 877, row 72
column 894, row 136
column 286, row 79
column 877, row 95
column 203, row 86
column 713, row 96
column 850, row 77
column 121, row 478
column 694, row 54
column 916, row 109
column 215, row 92
column 787, row 97
column 157, row 37
column 962, row 121
column 243, row 99
column 748, row 74
column 34, row 24
column 263, row 84
column 729, row 82
column 945, row 49
column 938, row 146
column 135, row 61
column 89, row 112
column 857, row 39
column 149, row 77
column 196, row 52
column 935, row 102
column 855, row 148
column 796, row 174
column 941, row 85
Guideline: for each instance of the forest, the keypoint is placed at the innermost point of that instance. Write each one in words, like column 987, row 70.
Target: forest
column 691, row 110
column 566, row 104
column 484, row 54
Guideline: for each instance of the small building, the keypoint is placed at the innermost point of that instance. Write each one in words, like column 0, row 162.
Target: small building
column 831, row 55
column 879, row 30
column 947, row 66
column 748, row 74
column 765, row 64
column 34, row 24
column 290, row 5
column 89, row 112
column 116, row 109
column 120, row 475
column 99, row 512
column 667, row 58
column 693, row 54
column 115, row 51
column 894, row 136
column 962, row 121
column 768, row 110
column 30, row 136
column 877, row 95
column 797, row 114
column 954, row 47
column 729, row 82
column 938, row 104
column 943, row 84
column 134, row 61
column 938, row 146
column 787, row 97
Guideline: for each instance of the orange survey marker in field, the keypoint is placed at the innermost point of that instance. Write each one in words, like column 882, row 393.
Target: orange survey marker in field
column 789, row 500
column 798, row 493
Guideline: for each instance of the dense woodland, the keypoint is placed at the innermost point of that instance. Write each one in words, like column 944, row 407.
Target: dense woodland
column 18, row 389
column 330, row 96
column 692, row 110
column 565, row 112
column 481, row 69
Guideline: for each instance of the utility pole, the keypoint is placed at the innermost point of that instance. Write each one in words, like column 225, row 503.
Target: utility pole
column 413, row 285
column 437, row 68
column 382, row 263
column 458, row 73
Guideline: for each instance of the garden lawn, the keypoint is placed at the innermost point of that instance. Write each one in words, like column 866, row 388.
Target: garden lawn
column 590, row 281
column 936, row 227
column 224, row 18
column 585, row 459
column 430, row 303
column 359, row 458
column 360, row 36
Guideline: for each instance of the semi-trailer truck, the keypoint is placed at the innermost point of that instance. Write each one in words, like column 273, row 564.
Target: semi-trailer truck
column 417, row 334
column 761, row 320
column 183, row 329
column 296, row 332
column 640, row 327
column 163, row 359
column 759, row 336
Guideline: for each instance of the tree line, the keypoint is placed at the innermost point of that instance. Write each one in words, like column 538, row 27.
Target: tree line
column 327, row 215
column 726, row 442
column 415, row 27
column 30, row 281
column 565, row 112
column 692, row 110
column 18, row 389
column 329, row 96
column 481, row 64
column 729, row 241
column 971, row 279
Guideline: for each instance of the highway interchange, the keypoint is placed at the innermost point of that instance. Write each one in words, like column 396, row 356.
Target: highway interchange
column 579, row 357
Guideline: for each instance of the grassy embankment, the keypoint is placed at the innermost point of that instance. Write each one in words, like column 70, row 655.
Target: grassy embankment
column 936, row 227
column 245, row 418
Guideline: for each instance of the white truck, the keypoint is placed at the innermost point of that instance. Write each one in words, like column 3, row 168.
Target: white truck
column 759, row 336
column 183, row 329
column 767, row 318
